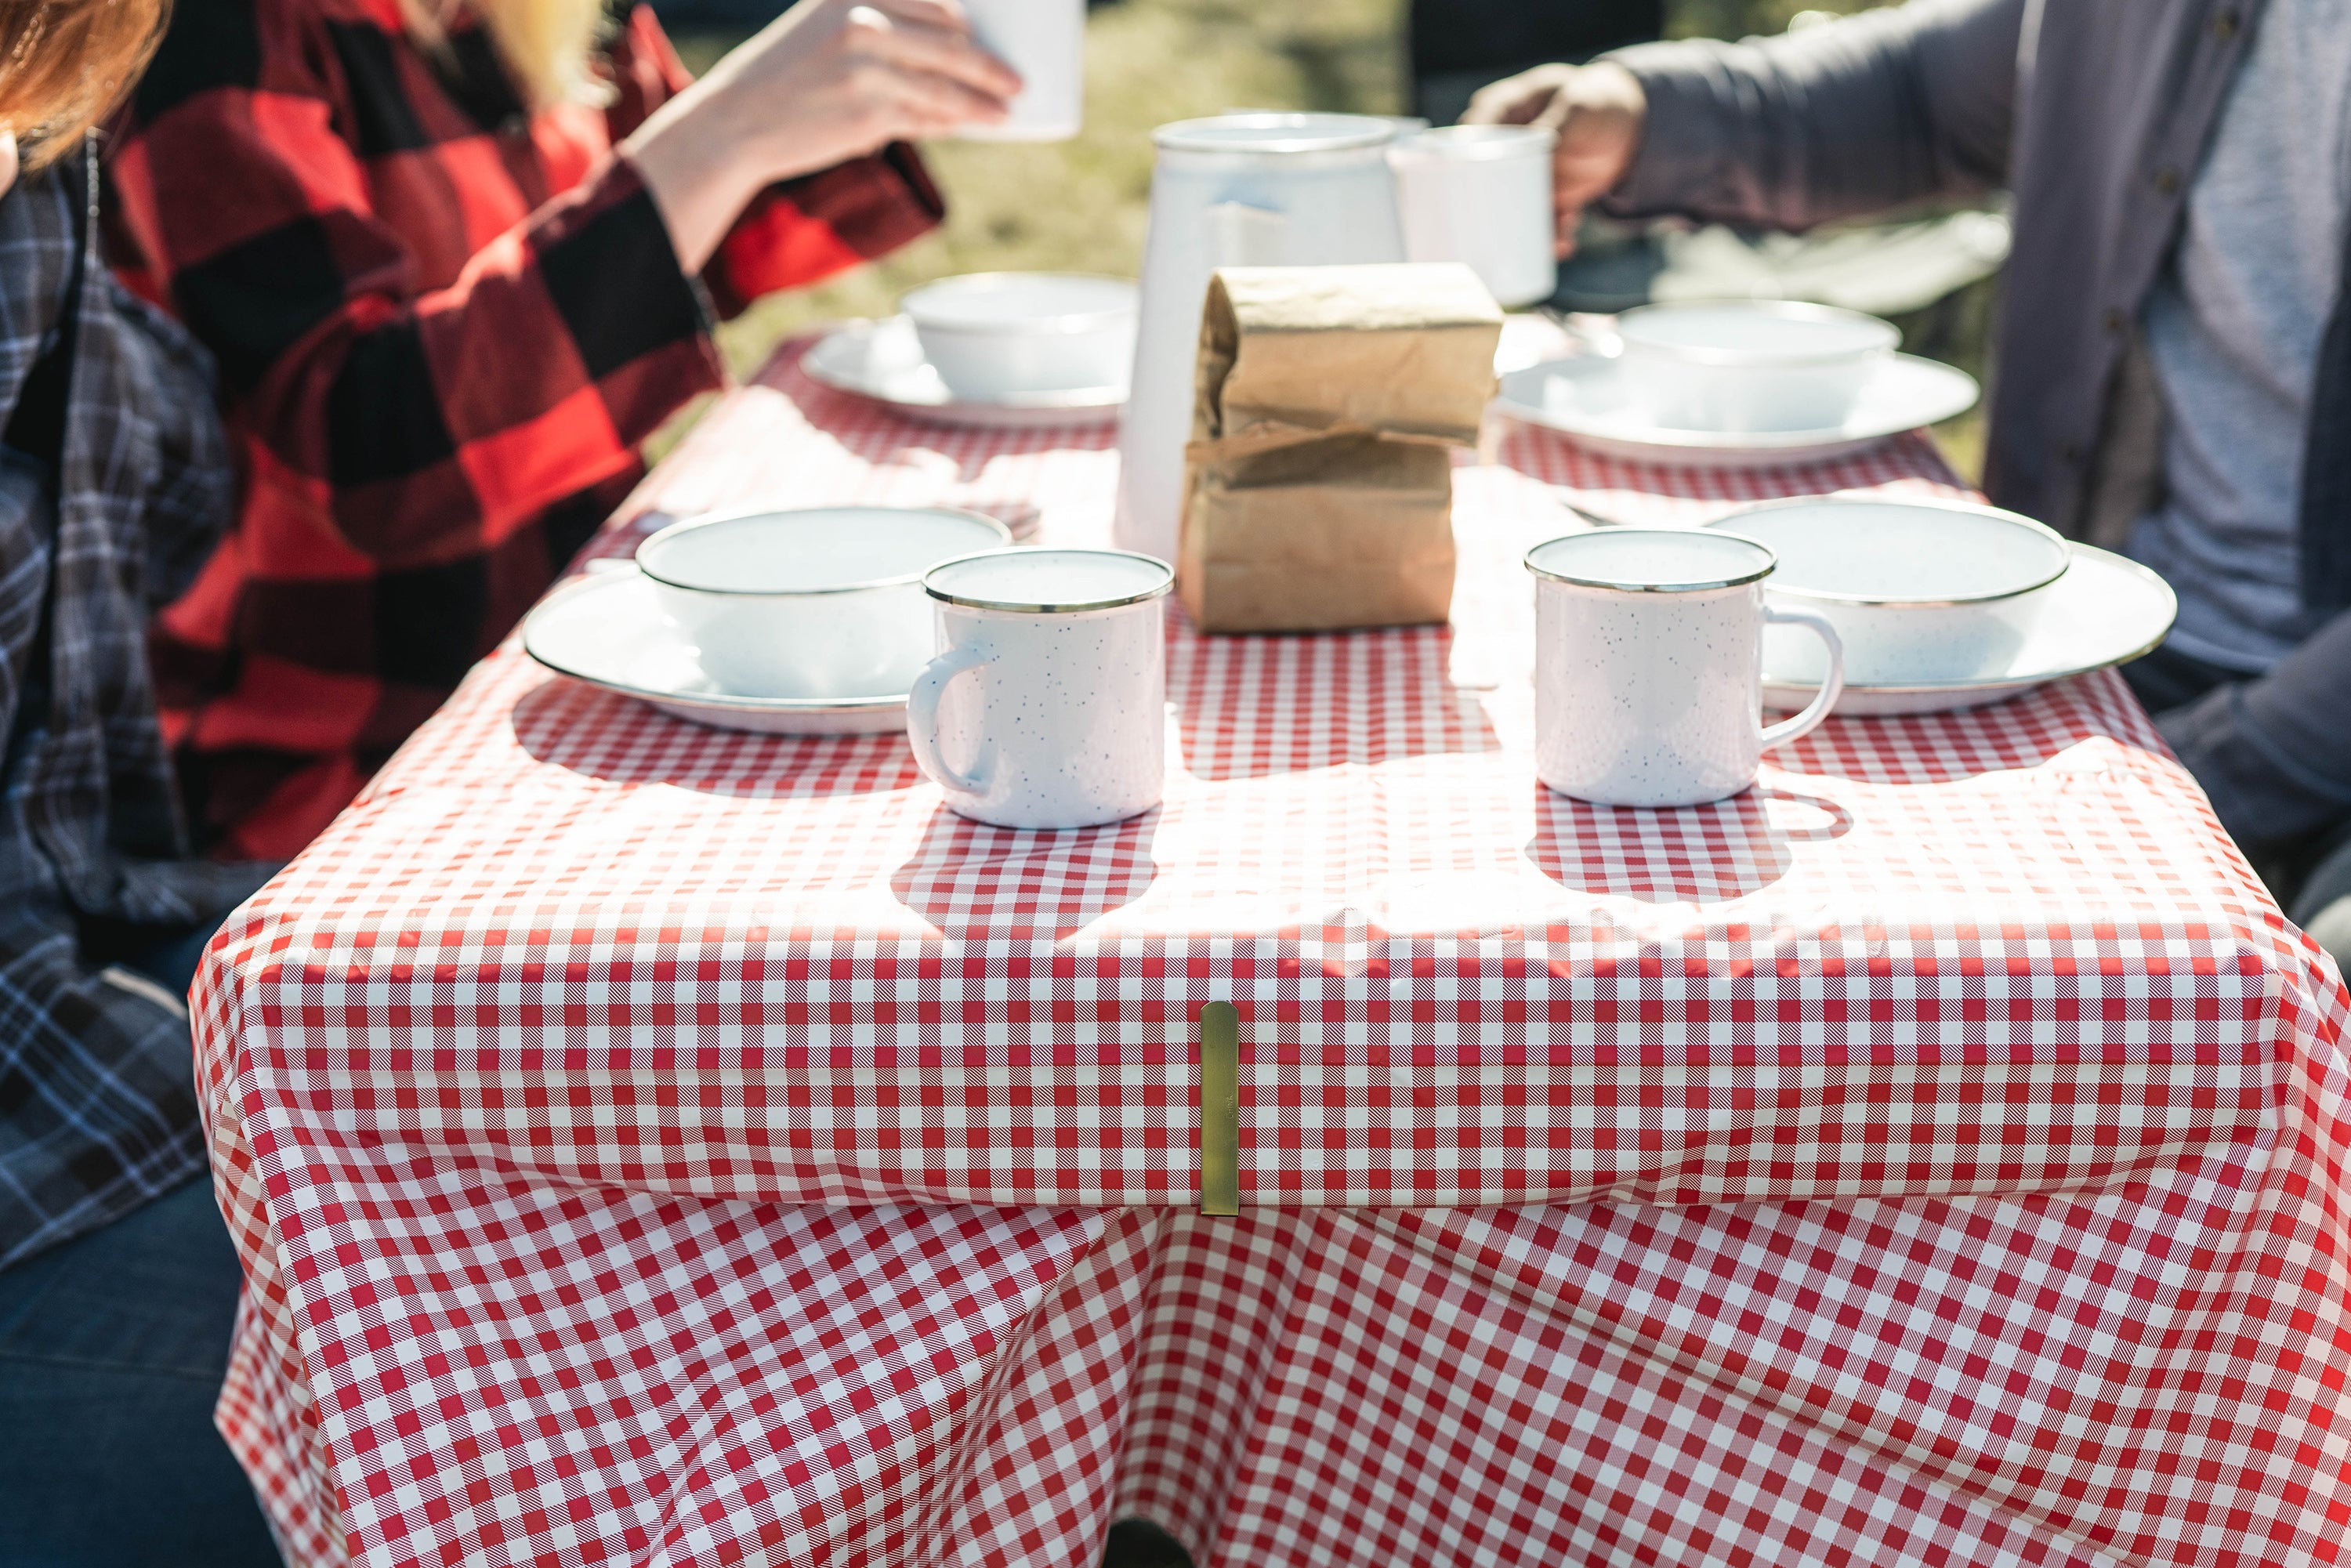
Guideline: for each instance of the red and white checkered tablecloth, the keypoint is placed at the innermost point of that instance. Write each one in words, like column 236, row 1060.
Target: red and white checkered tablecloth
column 655, row 1145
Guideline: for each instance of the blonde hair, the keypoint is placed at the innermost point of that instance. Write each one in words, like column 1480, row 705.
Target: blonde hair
column 65, row 64
column 549, row 46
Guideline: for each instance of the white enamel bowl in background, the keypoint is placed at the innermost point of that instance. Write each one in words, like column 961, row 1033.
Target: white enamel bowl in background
column 1007, row 334
column 1922, row 592
column 1749, row 365
column 821, row 604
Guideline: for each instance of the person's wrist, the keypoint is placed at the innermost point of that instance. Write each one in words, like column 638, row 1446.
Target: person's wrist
column 693, row 166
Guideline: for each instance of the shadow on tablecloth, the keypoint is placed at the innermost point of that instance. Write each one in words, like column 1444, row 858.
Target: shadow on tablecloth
column 1701, row 855
column 616, row 739
column 966, row 877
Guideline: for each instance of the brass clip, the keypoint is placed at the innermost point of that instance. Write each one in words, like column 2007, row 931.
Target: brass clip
column 1221, row 1109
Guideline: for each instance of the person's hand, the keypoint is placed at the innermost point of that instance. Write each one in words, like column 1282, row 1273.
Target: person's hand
column 1597, row 111
column 826, row 81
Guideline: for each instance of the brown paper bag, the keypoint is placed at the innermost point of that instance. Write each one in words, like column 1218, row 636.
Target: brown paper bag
column 1342, row 531
column 1318, row 486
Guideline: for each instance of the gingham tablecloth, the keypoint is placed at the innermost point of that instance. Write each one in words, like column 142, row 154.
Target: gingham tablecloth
column 656, row 1145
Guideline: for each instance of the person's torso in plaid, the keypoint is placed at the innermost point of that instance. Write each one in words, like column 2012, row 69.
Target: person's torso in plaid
column 443, row 327
column 114, row 481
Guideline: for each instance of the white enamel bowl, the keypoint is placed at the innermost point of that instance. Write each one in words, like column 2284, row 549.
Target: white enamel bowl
column 1923, row 593
column 826, row 603
column 1745, row 366
column 992, row 335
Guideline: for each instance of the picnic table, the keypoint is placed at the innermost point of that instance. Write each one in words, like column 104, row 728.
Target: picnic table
column 658, row 1144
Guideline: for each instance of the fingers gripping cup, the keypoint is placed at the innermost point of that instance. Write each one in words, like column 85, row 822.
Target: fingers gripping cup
column 1047, row 705
column 1648, row 665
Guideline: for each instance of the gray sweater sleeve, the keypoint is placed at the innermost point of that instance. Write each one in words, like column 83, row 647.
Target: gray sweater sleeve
column 1849, row 118
column 2274, row 754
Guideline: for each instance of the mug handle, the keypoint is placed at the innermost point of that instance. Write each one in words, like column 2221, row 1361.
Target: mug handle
column 1805, row 723
column 923, row 717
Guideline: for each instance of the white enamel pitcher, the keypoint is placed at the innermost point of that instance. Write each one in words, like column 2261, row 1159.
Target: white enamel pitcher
column 1238, row 189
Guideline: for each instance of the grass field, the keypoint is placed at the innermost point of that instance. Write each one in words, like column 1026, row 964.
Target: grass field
column 1079, row 205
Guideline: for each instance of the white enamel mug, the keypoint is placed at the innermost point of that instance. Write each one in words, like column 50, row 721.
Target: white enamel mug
column 1482, row 194
column 1045, row 41
column 1648, row 665
column 1047, row 705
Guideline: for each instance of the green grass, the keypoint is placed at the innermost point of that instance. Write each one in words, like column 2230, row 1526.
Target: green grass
column 1079, row 205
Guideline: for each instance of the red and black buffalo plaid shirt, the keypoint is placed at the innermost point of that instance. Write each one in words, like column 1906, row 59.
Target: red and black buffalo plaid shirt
column 443, row 325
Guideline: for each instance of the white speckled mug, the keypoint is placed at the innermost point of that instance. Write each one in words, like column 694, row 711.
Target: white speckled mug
column 1047, row 705
column 1648, row 665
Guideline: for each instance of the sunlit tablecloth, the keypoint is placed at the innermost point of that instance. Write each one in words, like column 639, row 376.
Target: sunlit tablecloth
column 658, row 1144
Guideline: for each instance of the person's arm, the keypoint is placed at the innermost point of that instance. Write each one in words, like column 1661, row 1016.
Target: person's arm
column 2274, row 754
column 411, row 424
column 414, row 425
column 1851, row 117
column 796, row 231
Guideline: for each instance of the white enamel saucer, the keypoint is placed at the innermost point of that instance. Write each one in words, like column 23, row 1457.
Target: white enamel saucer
column 608, row 630
column 884, row 360
column 2105, row 610
column 1584, row 398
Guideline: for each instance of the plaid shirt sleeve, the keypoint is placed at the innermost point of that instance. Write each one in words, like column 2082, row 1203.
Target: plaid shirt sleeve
column 408, row 425
column 98, row 1106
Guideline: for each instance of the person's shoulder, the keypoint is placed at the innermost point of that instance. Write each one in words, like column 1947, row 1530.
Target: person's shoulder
column 249, row 46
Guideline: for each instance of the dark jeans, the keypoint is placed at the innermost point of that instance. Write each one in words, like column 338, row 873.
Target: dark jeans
column 2312, row 879
column 111, row 1351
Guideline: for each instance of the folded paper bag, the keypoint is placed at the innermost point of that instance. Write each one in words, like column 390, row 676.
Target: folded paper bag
column 1319, row 492
column 1404, row 349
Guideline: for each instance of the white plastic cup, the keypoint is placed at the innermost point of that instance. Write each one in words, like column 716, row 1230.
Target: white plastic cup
column 1045, row 41
column 1047, row 705
column 1648, row 665
column 1480, row 194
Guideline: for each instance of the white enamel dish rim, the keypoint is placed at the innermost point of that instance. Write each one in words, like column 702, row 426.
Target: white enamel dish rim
column 1472, row 143
column 1907, row 392
column 2143, row 640
column 610, row 582
column 674, row 531
column 913, row 388
column 1275, row 131
column 931, row 305
column 1620, row 585
column 1878, row 336
column 1160, row 588
column 1731, row 523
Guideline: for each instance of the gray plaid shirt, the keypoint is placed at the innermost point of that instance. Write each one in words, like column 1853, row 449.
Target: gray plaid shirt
column 98, row 1109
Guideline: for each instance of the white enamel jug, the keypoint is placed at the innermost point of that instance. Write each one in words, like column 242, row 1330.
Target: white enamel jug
column 1238, row 189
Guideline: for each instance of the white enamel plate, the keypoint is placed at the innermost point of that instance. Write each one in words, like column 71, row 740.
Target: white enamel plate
column 608, row 630
column 1584, row 398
